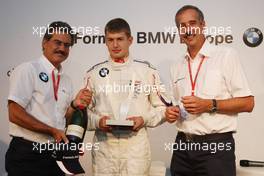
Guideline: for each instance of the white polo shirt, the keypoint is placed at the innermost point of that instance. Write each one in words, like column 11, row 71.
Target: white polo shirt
column 31, row 86
column 220, row 77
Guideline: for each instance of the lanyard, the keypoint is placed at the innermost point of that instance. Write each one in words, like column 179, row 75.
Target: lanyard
column 55, row 84
column 193, row 82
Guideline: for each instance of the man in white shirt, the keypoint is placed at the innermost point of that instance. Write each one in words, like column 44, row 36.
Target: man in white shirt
column 211, row 89
column 39, row 102
column 123, row 88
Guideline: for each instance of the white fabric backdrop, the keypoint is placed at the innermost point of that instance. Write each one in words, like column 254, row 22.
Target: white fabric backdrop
column 18, row 44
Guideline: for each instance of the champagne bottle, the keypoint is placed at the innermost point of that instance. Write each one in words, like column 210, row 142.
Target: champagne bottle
column 67, row 155
column 76, row 129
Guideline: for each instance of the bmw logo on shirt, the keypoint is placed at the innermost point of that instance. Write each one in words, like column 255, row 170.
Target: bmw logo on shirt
column 44, row 77
column 103, row 72
column 252, row 37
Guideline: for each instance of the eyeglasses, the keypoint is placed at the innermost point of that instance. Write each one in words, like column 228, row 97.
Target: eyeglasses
column 59, row 43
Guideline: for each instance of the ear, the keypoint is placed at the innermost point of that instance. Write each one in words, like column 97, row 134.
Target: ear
column 130, row 39
column 203, row 23
column 44, row 41
column 181, row 40
column 203, row 26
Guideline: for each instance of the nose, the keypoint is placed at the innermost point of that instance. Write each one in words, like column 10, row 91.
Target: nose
column 115, row 43
column 63, row 47
column 188, row 27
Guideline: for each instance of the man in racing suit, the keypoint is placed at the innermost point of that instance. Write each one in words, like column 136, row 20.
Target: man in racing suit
column 123, row 84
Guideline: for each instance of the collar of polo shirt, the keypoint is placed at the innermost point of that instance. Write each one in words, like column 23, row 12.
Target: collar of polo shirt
column 206, row 51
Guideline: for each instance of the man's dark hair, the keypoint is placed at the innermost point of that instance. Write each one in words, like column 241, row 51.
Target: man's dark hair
column 187, row 7
column 59, row 27
column 118, row 25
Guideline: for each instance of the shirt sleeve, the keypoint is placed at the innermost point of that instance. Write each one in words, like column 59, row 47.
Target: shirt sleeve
column 156, row 114
column 235, row 77
column 21, row 84
column 93, row 116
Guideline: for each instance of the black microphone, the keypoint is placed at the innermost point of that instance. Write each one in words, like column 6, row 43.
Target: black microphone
column 248, row 163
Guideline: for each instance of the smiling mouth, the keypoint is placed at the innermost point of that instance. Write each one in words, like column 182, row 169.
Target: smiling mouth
column 60, row 54
column 189, row 36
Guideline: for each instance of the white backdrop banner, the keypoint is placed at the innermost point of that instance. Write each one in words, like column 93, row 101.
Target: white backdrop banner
column 229, row 23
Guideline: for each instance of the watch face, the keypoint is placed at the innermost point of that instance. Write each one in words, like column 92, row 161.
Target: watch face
column 214, row 108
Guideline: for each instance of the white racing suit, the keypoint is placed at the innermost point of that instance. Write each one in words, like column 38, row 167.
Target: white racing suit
column 123, row 153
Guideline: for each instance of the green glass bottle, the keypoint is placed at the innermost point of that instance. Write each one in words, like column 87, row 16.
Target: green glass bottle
column 77, row 126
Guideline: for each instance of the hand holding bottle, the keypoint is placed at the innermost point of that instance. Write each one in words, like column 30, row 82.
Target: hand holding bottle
column 83, row 98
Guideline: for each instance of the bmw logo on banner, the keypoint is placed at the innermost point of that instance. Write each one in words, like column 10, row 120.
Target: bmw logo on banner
column 252, row 37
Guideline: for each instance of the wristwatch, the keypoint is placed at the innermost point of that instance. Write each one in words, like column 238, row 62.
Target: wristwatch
column 214, row 108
